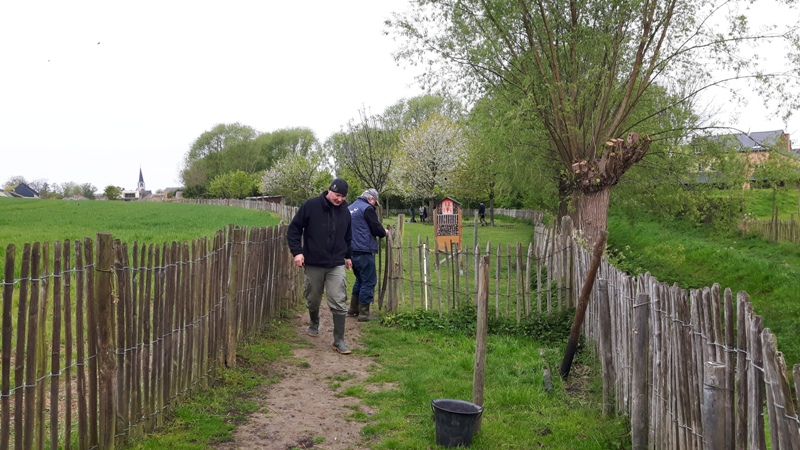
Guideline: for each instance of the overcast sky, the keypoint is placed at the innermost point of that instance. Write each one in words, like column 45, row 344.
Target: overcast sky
column 90, row 91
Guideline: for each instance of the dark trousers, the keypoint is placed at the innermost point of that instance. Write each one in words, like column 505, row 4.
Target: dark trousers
column 366, row 277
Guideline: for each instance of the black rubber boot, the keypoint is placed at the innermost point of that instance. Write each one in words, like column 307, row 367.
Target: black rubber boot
column 313, row 326
column 338, row 335
column 353, row 311
column 363, row 313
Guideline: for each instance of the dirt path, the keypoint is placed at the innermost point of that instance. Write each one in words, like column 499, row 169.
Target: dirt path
column 305, row 409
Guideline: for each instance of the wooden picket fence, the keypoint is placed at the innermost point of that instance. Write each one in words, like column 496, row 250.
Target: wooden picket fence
column 101, row 338
column 689, row 370
column 776, row 230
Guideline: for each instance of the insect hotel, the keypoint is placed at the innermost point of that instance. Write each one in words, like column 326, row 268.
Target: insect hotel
column 447, row 224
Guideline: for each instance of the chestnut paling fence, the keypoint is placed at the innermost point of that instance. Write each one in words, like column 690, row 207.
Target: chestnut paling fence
column 100, row 338
column 691, row 368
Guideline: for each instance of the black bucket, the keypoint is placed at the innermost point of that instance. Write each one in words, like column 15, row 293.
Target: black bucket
column 456, row 421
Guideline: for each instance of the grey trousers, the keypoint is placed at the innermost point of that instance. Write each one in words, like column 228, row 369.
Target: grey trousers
column 333, row 281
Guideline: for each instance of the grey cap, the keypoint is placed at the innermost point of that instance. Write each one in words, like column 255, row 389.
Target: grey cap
column 371, row 193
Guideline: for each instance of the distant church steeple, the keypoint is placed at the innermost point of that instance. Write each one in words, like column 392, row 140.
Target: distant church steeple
column 140, row 186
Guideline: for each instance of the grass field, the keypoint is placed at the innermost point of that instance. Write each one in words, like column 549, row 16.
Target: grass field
column 27, row 221
column 758, row 202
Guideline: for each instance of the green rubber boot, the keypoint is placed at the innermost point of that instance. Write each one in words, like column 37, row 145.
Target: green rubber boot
column 353, row 311
column 363, row 313
column 313, row 326
column 338, row 335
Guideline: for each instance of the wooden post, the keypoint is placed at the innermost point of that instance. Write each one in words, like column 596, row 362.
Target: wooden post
column 481, row 333
column 796, row 376
column 742, row 371
column 785, row 433
column 714, row 413
column 583, row 302
column 8, row 292
column 230, row 309
column 606, row 357
column 755, row 421
column 730, row 372
column 104, row 305
column 639, row 392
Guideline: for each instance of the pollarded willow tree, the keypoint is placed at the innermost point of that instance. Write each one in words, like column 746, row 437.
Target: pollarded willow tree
column 581, row 68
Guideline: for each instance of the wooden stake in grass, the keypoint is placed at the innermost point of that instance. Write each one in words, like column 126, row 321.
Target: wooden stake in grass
column 583, row 302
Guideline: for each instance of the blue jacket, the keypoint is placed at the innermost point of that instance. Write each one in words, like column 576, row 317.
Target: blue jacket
column 321, row 232
column 366, row 226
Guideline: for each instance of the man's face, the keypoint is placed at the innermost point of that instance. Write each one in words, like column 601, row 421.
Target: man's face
column 335, row 198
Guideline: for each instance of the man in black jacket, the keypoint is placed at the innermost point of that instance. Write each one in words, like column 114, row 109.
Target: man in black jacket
column 320, row 238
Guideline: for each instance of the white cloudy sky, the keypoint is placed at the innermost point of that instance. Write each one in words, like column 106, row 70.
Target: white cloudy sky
column 90, row 91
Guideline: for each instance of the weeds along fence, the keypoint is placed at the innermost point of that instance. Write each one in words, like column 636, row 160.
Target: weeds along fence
column 100, row 338
column 690, row 368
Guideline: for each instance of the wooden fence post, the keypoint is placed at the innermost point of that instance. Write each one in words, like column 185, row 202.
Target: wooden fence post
column 230, row 309
column 481, row 332
column 8, row 292
column 714, row 413
column 104, row 305
column 755, row 421
column 742, row 372
column 796, row 376
column 784, row 433
column 639, row 393
column 606, row 357
column 583, row 302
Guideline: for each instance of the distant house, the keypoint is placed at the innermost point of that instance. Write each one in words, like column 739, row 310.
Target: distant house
column 24, row 191
column 759, row 144
column 76, row 197
column 756, row 147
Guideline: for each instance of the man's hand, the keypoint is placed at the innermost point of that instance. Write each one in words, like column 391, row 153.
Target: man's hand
column 299, row 260
column 348, row 263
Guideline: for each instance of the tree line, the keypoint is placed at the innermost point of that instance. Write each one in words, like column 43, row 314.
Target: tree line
column 52, row 190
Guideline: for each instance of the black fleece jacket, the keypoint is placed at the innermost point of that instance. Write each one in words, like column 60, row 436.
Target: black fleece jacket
column 321, row 232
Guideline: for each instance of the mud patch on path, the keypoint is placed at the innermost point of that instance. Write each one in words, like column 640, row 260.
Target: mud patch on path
column 307, row 408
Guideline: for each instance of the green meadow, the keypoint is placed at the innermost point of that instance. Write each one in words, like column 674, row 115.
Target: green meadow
column 27, row 221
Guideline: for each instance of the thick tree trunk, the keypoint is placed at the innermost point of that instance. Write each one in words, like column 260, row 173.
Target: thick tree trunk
column 590, row 212
column 587, row 190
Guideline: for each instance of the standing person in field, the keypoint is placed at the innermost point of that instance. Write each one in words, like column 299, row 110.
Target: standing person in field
column 366, row 228
column 320, row 238
column 421, row 213
column 482, row 214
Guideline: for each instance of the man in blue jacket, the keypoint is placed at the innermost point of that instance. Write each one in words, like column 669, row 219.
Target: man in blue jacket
column 366, row 227
column 320, row 238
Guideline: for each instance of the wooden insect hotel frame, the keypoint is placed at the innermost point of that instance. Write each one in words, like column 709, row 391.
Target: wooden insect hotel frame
column 447, row 224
